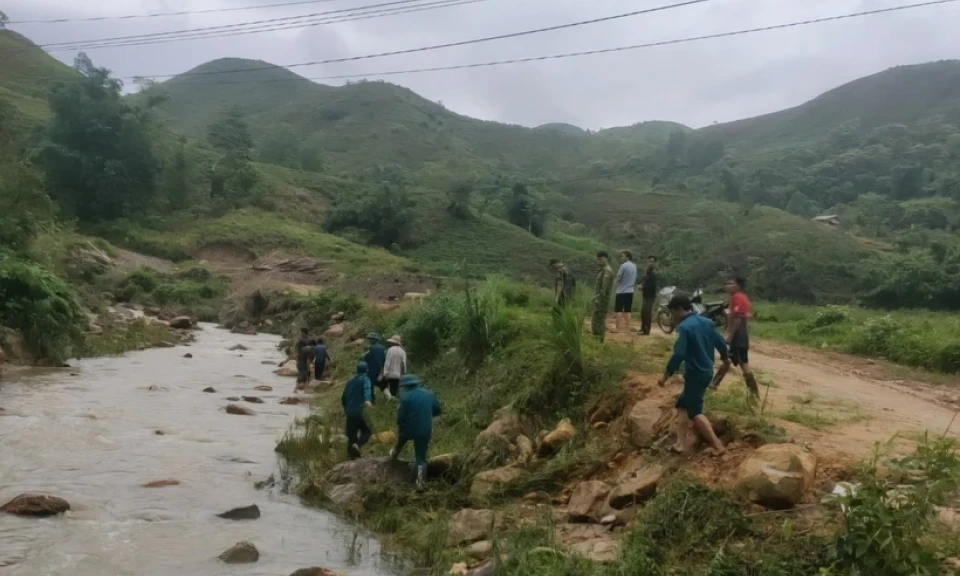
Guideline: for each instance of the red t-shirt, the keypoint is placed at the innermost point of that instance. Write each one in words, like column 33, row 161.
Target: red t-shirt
column 740, row 305
column 740, row 308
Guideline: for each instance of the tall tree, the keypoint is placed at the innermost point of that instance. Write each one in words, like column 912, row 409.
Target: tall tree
column 3, row 20
column 233, row 174
column 98, row 156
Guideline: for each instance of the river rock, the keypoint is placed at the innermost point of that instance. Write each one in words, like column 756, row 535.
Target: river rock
column 468, row 526
column 370, row 471
column 244, row 328
column 315, row 572
column 563, row 433
column 244, row 513
column 335, row 331
column 488, row 481
column 241, row 553
column 237, row 347
column 294, row 400
column 162, row 483
column 181, row 322
column 642, row 422
column 263, row 388
column 288, row 368
column 777, row 475
column 233, row 398
column 253, row 399
column 36, row 505
column 188, row 355
column 268, row 362
column 525, row 451
column 210, row 390
column 637, row 490
column 588, row 501
column 344, row 494
column 239, row 410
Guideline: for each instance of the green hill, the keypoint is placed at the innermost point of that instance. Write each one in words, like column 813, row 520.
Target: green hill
column 917, row 94
column 27, row 74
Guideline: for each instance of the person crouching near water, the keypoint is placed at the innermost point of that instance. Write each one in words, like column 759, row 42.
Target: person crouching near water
column 696, row 340
column 356, row 398
column 418, row 408
column 304, row 357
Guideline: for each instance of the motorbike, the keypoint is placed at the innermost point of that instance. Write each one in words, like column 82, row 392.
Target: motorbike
column 716, row 312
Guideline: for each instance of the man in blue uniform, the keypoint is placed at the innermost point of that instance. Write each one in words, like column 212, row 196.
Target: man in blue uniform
column 375, row 357
column 696, row 341
column 356, row 398
column 418, row 407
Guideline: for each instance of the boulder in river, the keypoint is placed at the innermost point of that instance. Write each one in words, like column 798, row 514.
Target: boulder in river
column 236, row 347
column 289, row 368
column 294, row 400
column 239, row 410
column 253, row 399
column 210, row 390
column 268, row 362
column 162, row 483
column 36, row 505
column 188, row 355
column 263, row 388
column 315, row 572
column 244, row 513
column 182, row 322
column 244, row 328
column 241, row 553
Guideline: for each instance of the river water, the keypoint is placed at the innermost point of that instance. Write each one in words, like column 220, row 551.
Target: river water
column 88, row 434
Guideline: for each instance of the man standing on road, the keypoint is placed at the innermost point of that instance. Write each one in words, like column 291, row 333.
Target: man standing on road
column 394, row 367
column 564, row 283
column 648, row 289
column 626, row 283
column 696, row 341
column 738, row 336
column 356, row 398
column 601, row 297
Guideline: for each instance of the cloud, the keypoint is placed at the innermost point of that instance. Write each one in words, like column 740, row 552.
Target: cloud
column 697, row 83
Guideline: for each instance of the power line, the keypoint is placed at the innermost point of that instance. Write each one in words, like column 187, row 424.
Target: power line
column 185, row 36
column 234, row 26
column 585, row 52
column 454, row 44
column 168, row 14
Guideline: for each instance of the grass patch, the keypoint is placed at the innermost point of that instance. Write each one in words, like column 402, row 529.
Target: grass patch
column 119, row 337
column 917, row 338
column 808, row 418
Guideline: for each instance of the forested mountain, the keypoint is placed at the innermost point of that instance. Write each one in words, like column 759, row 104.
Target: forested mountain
column 380, row 166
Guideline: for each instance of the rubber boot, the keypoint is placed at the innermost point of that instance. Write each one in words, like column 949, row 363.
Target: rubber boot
column 751, row 381
column 421, row 476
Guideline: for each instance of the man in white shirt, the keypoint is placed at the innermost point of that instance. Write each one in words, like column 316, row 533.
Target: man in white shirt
column 394, row 367
column 626, row 282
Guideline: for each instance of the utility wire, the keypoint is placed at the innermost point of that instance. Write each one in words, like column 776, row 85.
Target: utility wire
column 456, row 44
column 234, row 26
column 168, row 14
column 185, row 36
column 567, row 54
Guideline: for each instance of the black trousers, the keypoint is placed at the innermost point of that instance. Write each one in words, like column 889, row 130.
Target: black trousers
column 358, row 432
column 646, row 314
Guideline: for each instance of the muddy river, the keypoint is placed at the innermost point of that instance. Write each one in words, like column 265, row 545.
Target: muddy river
column 89, row 435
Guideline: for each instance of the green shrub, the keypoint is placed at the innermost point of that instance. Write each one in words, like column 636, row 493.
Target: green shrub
column 485, row 324
column 428, row 328
column 829, row 316
column 876, row 337
column 42, row 307
column 690, row 516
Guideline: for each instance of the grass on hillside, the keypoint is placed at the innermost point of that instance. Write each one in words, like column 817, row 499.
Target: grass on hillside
column 921, row 339
column 254, row 230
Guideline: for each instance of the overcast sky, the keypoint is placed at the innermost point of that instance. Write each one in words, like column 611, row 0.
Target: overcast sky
column 697, row 83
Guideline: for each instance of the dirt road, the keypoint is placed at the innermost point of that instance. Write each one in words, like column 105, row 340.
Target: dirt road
column 844, row 405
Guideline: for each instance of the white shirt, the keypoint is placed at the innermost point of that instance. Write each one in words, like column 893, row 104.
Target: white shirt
column 396, row 363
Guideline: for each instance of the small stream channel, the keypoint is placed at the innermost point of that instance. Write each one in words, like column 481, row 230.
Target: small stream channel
column 88, row 434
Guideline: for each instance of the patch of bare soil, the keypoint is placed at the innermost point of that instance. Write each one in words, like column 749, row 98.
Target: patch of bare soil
column 130, row 261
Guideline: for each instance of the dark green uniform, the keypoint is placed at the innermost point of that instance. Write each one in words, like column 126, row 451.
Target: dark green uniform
column 601, row 301
column 565, row 282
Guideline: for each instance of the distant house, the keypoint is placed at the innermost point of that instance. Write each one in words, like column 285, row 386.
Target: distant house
column 830, row 220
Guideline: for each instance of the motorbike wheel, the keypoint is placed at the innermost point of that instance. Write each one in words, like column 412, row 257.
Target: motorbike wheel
column 665, row 322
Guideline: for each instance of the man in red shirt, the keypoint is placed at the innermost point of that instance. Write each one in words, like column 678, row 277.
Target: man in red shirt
column 738, row 336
